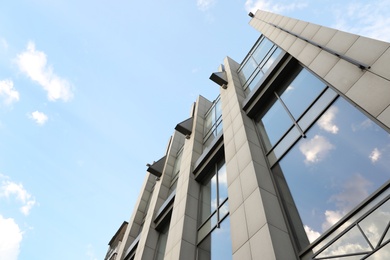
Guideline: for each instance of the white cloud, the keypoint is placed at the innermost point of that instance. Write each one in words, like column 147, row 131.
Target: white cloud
column 331, row 218
column 39, row 117
column 290, row 88
column 271, row 6
column 315, row 149
column 311, row 234
column 8, row 92
column 375, row 155
column 204, row 5
column 10, row 239
column 34, row 64
column 370, row 19
column 326, row 121
column 366, row 124
column 11, row 189
column 354, row 191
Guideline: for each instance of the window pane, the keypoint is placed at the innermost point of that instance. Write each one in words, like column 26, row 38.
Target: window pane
column 253, row 83
column 282, row 147
column 209, row 199
column 276, row 122
column 326, row 98
column 208, row 123
column 247, row 70
column 301, row 92
column 218, row 109
column 222, row 179
column 262, row 50
column 162, row 242
column 218, row 244
column 342, row 161
column 382, row 253
column 374, row 225
column 206, row 227
column 352, row 242
column 271, row 60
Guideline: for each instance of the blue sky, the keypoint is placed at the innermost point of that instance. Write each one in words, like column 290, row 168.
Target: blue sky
column 90, row 92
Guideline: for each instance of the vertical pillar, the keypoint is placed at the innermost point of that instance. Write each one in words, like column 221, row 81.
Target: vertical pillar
column 182, row 242
column 258, row 228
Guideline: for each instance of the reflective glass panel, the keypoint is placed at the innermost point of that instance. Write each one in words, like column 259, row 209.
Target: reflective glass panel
column 209, row 198
column 161, row 243
column 207, row 226
column 275, row 122
column 301, row 92
column 386, row 239
column 352, row 219
column 259, row 75
column 343, row 159
column 218, row 109
column 383, row 253
column 218, row 244
column 208, row 123
column 271, row 60
column 374, row 225
column 351, row 242
column 262, row 50
column 311, row 115
column 222, row 178
column 247, row 70
column 286, row 142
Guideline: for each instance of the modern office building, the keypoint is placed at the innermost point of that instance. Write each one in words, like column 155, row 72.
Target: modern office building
column 290, row 161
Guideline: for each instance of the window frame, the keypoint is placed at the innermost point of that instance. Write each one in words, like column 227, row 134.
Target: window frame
column 206, row 178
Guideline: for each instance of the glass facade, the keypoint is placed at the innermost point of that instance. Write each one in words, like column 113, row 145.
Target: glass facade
column 214, row 227
column 326, row 156
column 257, row 63
column 365, row 235
column 213, row 123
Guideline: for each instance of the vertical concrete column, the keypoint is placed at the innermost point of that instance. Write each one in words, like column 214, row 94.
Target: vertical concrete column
column 181, row 243
column 149, row 236
column 135, row 222
column 258, row 228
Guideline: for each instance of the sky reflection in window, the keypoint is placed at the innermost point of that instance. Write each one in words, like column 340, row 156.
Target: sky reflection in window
column 344, row 158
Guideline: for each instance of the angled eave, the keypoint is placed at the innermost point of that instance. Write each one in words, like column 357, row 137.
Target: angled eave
column 219, row 77
column 185, row 127
column 157, row 167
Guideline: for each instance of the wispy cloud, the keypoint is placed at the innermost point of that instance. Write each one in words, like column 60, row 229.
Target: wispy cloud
column 354, row 191
column 8, row 92
column 10, row 189
column 272, row 6
column 91, row 252
column 39, row 117
column 375, row 155
column 4, row 43
column 366, row 124
column 205, row 5
column 34, row 64
column 10, row 239
column 370, row 19
column 326, row 122
column 315, row 149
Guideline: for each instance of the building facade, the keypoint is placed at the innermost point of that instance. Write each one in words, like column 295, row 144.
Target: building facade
column 290, row 161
